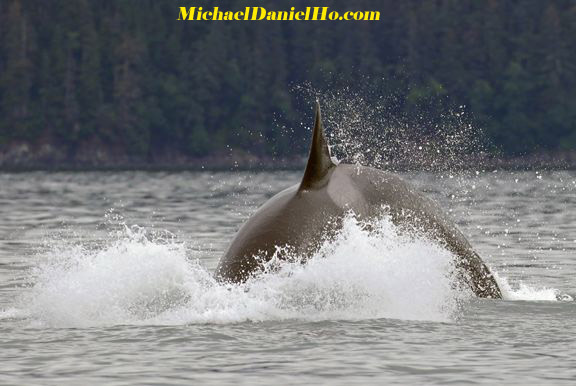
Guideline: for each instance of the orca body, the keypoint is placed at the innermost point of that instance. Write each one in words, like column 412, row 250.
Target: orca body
column 304, row 215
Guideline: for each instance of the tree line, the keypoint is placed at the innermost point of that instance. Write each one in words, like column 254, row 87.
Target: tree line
column 126, row 76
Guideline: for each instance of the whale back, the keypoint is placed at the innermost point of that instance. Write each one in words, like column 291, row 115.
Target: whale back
column 304, row 215
column 290, row 218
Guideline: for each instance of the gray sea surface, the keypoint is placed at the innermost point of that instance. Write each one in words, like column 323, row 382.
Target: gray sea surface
column 105, row 277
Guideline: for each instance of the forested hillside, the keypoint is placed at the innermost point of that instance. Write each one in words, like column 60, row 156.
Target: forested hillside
column 125, row 77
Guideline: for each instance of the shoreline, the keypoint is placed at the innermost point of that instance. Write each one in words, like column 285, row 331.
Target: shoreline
column 22, row 157
column 214, row 163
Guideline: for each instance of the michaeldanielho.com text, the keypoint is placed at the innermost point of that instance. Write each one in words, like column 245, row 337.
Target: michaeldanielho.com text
column 261, row 13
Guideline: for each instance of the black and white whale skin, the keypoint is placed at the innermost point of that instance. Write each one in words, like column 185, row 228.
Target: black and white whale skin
column 304, row 215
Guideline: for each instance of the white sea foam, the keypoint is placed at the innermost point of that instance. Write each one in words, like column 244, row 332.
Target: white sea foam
column 523, row 291
column 360, row 274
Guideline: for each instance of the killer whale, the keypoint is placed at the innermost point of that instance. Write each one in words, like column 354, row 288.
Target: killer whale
column 301, row 216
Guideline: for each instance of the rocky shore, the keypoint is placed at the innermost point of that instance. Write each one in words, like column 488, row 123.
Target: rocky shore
column 24, row 156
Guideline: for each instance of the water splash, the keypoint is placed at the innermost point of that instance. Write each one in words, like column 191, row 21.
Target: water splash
column 142, row 278
column 378, row 129
column 523, row 291
column 135, row 279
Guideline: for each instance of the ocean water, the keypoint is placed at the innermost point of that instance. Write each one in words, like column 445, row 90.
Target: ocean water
column 105, row 277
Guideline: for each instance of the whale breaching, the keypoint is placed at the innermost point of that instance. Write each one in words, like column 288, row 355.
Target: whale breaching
column 304, row 215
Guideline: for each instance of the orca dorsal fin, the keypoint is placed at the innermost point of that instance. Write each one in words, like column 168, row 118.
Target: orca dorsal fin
column 319, row 161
